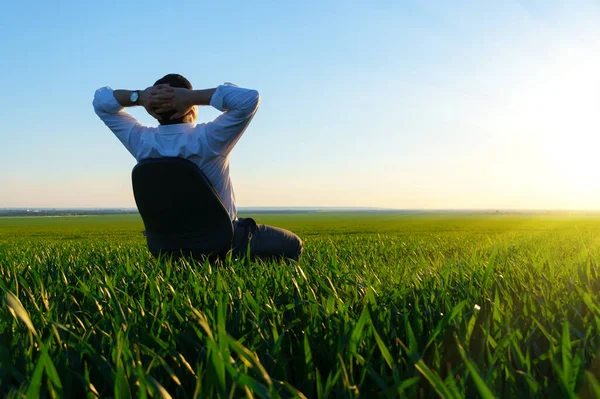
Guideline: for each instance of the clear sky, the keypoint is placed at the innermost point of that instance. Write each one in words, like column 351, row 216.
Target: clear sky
column 399, row 104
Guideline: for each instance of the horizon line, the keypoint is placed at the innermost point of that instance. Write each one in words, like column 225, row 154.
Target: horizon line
column 323, row 208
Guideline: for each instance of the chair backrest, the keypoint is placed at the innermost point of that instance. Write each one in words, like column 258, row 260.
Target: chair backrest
column 182, row 212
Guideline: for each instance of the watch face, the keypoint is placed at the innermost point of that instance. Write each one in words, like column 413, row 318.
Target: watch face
column 134, row 96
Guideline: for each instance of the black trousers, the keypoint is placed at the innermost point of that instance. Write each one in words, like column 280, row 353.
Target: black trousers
column 265, row 242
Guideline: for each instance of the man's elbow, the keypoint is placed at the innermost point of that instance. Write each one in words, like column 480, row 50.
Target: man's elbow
column 104, row 101
column 254, row 100
column 97, row 102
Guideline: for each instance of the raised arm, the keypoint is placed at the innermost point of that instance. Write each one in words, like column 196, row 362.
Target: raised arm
column 238, row 105
column 108, row 105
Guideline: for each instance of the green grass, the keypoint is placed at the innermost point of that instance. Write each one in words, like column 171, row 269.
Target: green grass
column 378, row 306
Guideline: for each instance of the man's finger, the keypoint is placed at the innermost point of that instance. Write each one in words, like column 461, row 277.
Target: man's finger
column 161, row 95
column 156, row 91
column 162, row 108
column 159, row 100
column 163, row 86
column 160, row 104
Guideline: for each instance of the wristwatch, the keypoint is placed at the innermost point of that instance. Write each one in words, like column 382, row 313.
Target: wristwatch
column 133, row 97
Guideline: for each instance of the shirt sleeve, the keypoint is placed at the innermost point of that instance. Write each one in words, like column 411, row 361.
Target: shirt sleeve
column 127, row 129
column 239, row 106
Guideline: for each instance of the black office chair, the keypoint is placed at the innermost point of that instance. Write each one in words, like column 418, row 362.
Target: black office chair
column 183, row 214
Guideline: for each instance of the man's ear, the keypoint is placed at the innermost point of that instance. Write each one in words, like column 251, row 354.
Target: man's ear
column 193, row 114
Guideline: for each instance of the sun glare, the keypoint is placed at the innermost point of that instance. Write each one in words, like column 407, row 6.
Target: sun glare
column 559, row 110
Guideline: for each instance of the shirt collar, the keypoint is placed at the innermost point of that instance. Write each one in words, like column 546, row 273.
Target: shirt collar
column 176, row 128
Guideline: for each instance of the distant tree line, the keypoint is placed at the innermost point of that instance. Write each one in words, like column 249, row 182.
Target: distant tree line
column 64, row 212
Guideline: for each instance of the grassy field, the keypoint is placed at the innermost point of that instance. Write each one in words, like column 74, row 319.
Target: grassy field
column 381, row 305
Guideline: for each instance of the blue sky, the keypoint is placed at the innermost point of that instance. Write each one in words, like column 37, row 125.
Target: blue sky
column 401, row 104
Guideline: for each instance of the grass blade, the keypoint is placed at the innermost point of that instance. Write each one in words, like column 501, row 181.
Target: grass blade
column 434, row 380
column 482, row 388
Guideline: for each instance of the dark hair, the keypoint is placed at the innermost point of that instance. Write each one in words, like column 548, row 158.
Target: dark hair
column 173, row 80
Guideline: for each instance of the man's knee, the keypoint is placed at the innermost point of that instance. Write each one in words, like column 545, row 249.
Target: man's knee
column 274, row 242
column 295, row 248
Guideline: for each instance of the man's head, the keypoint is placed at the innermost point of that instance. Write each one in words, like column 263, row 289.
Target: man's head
column 176, row 80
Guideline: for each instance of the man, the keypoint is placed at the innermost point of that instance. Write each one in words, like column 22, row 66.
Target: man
column 173, row 102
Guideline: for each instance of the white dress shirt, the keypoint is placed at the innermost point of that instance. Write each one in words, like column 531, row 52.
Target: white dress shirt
column 208, row 145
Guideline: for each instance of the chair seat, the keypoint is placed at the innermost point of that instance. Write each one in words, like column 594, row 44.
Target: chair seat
column 183, row 214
